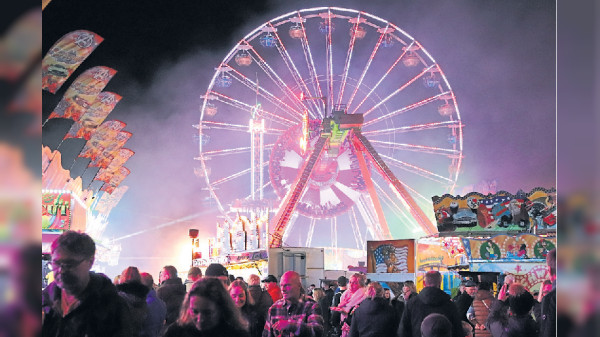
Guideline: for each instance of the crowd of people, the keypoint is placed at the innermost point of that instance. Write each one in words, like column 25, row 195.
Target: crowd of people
column 82, row 303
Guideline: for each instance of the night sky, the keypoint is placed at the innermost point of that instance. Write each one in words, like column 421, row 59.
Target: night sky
column 499, row 57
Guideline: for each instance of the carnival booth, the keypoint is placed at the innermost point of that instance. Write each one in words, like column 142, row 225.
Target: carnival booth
column 501, row 234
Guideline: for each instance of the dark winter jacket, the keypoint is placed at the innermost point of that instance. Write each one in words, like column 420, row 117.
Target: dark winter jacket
column 503, row 324
column 398, row 306
column 429, row 300
column 335, row 317
column 172, row 292
column 374, row 318
column 548, row 311
column 157, row 312
column 134, row 293
column 256, row 320
column 176, row 330
column 262, row 299
column 101, row 312
column 463, row 302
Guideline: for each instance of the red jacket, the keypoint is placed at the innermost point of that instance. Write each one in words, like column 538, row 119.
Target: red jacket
column 274, row 291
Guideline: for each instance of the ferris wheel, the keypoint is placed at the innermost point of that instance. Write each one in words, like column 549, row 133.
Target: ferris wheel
column 265, row 109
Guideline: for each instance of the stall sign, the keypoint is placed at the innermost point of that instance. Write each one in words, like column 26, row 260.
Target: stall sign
column 391, row 256
column 509, row 248
column 56, row 211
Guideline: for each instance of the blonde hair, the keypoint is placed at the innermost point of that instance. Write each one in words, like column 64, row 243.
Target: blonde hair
column 318, row 294
column 362, row 279
column 253, row 280
column 374, row 289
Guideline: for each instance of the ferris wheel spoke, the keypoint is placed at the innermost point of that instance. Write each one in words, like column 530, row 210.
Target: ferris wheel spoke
column 417, row 127
column 406, row 108
column 356, row 230
column 417, row 170
column 310, row 62
column 367, row 66
column 383, row 77
column 235, row 127
column 349, row 54
column 417, row 148
column 394, row 205
column 249, row 108
column 230, row 177
column 412, row 80
column 311, row 230
column 276, row 79
column 329, row 51
column 233, row 151
column 266, row 94
column 291, row 66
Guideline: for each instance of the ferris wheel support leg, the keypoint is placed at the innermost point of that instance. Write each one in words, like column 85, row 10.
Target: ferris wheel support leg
column 291, row 199
column 362, row 163
column 362, row 143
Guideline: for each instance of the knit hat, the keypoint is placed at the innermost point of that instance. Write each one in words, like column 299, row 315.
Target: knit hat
column 470, row 283
column 436, row 325
column 216, row 270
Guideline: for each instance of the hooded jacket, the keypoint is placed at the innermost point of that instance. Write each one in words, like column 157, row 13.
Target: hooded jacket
column 503, row 324
column 172, row 292
column 429, row 300
column 101, row 312
column 134, row 293
column 157, row 312
column 262, row 298
column 373, row 318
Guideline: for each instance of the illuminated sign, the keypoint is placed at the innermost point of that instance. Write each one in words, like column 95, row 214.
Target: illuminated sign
column 56, row 211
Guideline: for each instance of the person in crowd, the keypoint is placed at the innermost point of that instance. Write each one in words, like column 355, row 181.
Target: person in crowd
column 409, row 290
column 468, row 329
column 355, row 294
column 309, row 291
column 548, row 306
column 19, row 316
column 460, row 290
column 218, row 271
column 374, row 317
column 430, row 300
column 208, row 310
column 157, row 310
column 518, row 320
column 320, row 297
column 398, row 305
column 272, row 288
column 508, row 281
column 294, row 314
column 261, row 298
column 436, row 325
column 464, row 301
column 194, row 274
column 80, row 302
column 231, row 278
column 131, row 289
column 482, row 302
column 171, row 291
column 238, row 290
column 335, row 319
column 387, row 294
column 545, row 289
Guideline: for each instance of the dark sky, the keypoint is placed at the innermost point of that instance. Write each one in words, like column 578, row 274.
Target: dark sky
column 499, row 57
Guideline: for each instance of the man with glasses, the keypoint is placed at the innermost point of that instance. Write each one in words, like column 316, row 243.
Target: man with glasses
column 80, row 302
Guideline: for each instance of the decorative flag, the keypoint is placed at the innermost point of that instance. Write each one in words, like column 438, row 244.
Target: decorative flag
column 108, row 201
column 110, row 150
column 21, row 45
column 105, row 102
column 117, row 178
column 82, row 93
column 65, row 56
column 105, row 174
column 105, row 133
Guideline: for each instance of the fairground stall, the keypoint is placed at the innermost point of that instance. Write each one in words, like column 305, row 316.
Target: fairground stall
column 502, row 233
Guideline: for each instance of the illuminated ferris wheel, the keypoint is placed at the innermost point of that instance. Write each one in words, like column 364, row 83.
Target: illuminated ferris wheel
column 273, row 95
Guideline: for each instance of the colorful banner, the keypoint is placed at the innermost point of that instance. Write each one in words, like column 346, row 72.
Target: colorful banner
column 110, row 150
column 391, row 256
column 104, row 135
column 94, row 116
column 530, row 274
column 440, row 253
column 65, row 56
column 509, row 248
column 82, row 93
column 117, row 178
column 105, row 174
column 21, row 45
column 500, row 212
column 56, row 211
column 110, row 200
